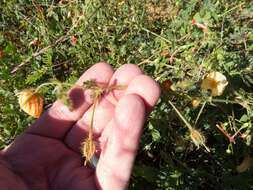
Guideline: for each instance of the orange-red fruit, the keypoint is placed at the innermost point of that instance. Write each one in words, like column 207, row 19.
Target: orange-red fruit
column 34, row 42
column 166, row 84
column 165, row 53
column 73, row 40
column 31, row 103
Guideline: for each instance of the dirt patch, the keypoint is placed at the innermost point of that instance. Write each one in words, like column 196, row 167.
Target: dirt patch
column 160, row 10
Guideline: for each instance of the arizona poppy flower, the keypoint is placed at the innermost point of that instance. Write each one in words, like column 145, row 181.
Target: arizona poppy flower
column 31, row 103
column 202, row 26
column 216, row 82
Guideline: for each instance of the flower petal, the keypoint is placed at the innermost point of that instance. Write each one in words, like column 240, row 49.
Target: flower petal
column 216, row 82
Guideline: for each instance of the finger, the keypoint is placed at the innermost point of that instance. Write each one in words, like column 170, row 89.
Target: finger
column 79, row 131
column 120, row 146
column 147, row 88
column 142, row 85
column 122, row 77
column 104, row 110
column 57, row 120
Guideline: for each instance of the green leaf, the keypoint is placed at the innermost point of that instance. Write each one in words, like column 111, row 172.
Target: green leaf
column 148, row 173
column 244, row 118
column 36, row 75
column 156, row 136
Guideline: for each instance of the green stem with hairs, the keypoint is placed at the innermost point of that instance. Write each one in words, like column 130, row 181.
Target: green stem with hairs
column 181, row 116
column 200, row 111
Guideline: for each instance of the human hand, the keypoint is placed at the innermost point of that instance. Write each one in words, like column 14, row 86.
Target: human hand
column 47, row 155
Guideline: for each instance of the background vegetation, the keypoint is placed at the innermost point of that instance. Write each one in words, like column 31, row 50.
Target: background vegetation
column 37, row 43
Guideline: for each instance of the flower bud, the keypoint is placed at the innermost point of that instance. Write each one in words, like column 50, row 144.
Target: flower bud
column 31, row 103
column 196, row 102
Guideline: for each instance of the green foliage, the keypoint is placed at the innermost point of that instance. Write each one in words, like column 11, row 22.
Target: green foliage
column 141, row 32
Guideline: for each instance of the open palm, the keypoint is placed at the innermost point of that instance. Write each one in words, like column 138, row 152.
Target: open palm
column 47, row 156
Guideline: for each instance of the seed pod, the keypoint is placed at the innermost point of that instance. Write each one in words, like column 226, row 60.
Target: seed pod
column 88, row 149
column 31, row 103
column 198, row 139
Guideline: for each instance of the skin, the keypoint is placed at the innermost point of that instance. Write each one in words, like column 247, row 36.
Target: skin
column 47, row 155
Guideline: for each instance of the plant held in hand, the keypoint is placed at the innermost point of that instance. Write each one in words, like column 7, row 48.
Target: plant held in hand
column 31, row 101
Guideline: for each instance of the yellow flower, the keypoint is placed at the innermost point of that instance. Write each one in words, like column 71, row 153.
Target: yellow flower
column 196, row 102
column 216, row 82
column 31, row 103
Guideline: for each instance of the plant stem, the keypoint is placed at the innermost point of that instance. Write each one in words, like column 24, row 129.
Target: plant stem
column 230, row 10
column 181, row 116
column 224, row 101
column 92, row 118
column 42, row 85
column 114, row 87
column 52, row 83
column 200, row 111
column 157, row 35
